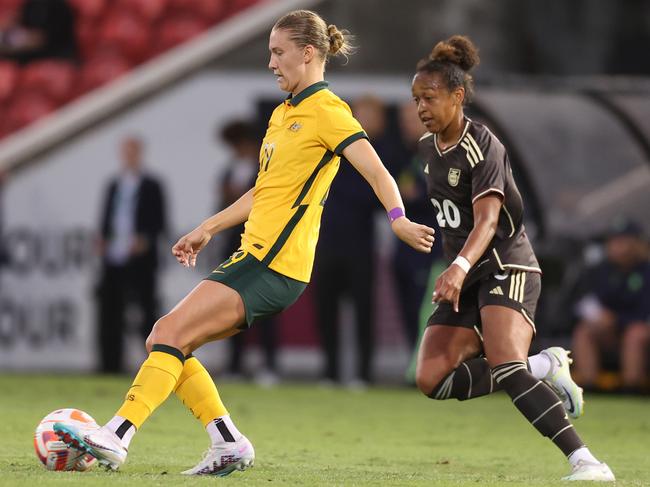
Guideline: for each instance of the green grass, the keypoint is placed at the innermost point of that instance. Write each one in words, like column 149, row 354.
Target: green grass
column 305, row 435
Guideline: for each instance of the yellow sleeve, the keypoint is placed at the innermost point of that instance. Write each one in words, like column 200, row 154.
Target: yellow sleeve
column 337, row 128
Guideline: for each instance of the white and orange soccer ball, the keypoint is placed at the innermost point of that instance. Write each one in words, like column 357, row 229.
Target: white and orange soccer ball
column 52, row 452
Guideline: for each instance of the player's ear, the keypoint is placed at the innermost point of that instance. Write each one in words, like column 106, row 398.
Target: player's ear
column 308, row 53
column 459, row 95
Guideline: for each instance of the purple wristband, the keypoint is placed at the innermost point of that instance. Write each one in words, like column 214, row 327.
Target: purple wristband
column 395, row 213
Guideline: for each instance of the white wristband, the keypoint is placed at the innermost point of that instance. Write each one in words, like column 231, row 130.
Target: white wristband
column 463, row 263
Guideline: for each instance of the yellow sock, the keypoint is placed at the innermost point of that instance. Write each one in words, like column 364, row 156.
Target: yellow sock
column 196, row 389
column 156, row 379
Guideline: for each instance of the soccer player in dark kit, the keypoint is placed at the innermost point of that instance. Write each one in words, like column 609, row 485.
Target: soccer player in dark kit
column 477, row 339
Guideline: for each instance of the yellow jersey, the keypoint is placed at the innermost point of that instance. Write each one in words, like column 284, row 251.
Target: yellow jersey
column 299, row 158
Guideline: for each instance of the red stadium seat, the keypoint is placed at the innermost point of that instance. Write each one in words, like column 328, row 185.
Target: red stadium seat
column 25, row 109
column 11, row 4
column 237, row 5
column 102, row 69
column 88, row 9
column 127, row 34
column 174, row 31
column 208, row 10
column 86, row 32
column 55, row 79
column 8, row 11
column 9, row 73
column 148, row 10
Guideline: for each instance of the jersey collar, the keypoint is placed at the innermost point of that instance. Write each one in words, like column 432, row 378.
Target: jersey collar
column 452, row 147
column 307, row 92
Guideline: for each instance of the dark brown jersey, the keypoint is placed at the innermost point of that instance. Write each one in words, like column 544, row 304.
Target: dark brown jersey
column 476, row 166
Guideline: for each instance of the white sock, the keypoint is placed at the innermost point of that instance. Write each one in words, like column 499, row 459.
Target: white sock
column 222, row 430
column 540, row 365
column 582, row 454
column 123, row 429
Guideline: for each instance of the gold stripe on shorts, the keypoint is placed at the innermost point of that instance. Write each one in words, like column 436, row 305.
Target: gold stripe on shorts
column 517, row 284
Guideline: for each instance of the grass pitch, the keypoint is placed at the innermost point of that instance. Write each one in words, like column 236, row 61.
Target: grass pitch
column 305, row 435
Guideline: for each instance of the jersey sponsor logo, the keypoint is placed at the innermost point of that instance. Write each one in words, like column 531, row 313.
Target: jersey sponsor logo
column 497, row 291
column 453, row 177
column 295, row 126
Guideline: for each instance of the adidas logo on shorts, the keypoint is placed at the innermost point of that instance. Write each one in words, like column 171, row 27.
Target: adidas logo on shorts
column 497, row 290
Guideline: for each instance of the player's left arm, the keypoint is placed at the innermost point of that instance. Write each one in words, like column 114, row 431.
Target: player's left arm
column 364, row 159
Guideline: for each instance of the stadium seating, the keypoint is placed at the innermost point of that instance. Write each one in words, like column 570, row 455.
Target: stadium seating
column 113, row 36
column 88, row 9
column 102, row 69
column 24, row 109
column 148, row 10
column 174, row 31
column 126, row 34
column 209, row 10
column 9, row 73
column 54, row 79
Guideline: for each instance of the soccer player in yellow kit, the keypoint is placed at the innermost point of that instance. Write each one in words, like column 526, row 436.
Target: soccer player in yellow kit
column 300, row 155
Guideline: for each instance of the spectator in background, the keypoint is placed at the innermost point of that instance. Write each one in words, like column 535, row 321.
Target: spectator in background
column 133, row 221
column 43, row 29
column 614, row 310
column 239, row 176
column 344, row 262
column 411, row 269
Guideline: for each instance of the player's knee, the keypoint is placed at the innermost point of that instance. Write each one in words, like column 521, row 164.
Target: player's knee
column 424, row 382
column 163, row 333
column 428, row 378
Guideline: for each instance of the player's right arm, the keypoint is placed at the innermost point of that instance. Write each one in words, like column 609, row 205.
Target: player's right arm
column 188, row 247
column 365, row 160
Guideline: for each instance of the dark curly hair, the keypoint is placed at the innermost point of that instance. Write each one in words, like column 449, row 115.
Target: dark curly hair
column 453, row 59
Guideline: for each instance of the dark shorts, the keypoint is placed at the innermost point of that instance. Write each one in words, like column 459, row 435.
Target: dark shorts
column 263, row 291
column 515, row 289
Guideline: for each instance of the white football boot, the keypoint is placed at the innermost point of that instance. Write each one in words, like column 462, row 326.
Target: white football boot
column 598, row 472
column 101, row 443
column 559, row 379
column 225, row 458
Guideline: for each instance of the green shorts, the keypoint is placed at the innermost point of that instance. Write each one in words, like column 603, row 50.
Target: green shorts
column 263, row 291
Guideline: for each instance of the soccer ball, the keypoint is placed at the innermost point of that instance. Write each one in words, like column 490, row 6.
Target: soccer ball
column 52, row 452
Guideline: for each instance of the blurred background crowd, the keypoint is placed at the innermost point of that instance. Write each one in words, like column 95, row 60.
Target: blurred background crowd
column 123, row 123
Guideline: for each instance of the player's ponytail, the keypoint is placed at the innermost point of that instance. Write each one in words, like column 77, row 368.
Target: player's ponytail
column 453, row 59
column 309, row 28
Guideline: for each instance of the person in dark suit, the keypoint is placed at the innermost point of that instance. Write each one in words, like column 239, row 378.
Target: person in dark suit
column 133, row 219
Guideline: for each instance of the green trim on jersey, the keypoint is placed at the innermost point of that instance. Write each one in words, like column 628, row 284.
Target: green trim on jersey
column 284, row 235
column 327, row 157
column 352, row 138
column 307, row 92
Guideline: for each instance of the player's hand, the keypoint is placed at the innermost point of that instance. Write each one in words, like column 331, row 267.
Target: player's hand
column 420, row 237
column 189, row 246
column 448, row 286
